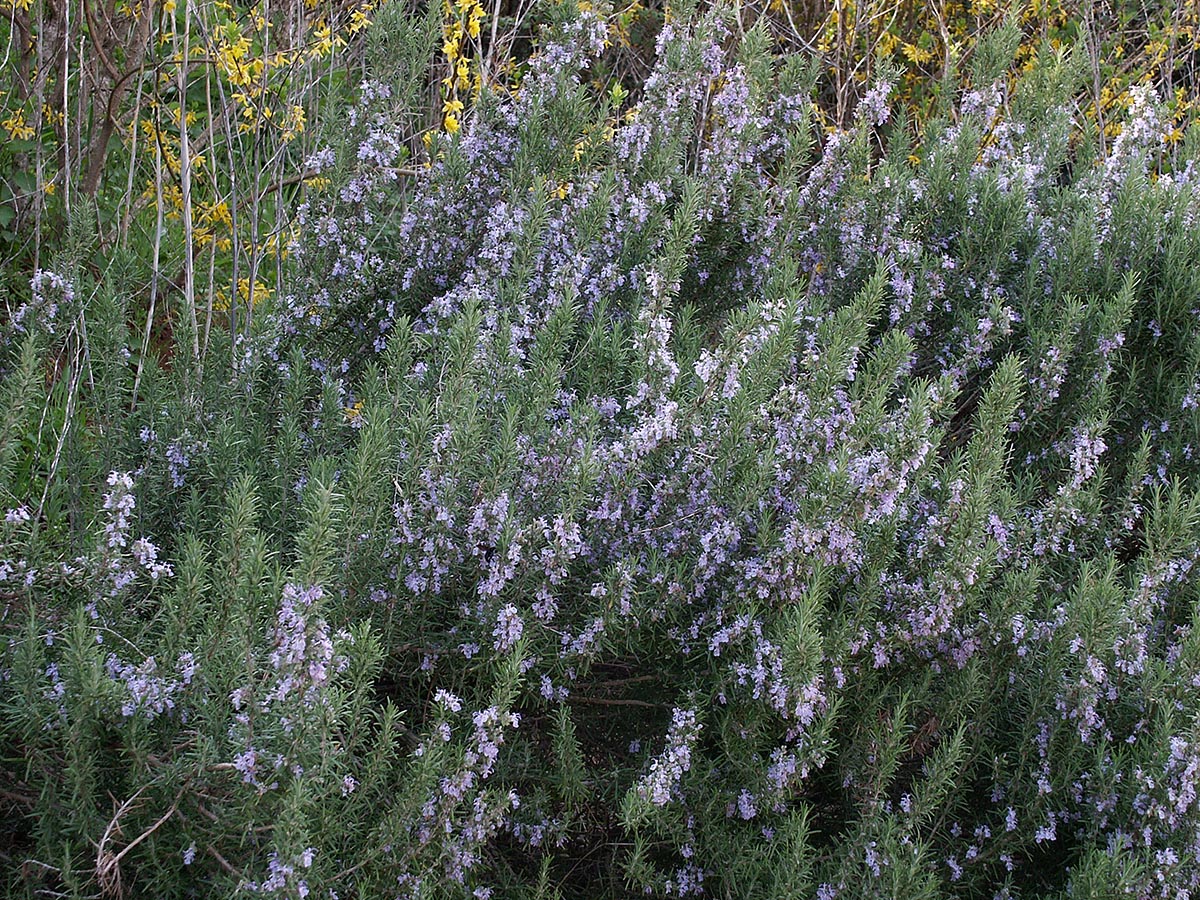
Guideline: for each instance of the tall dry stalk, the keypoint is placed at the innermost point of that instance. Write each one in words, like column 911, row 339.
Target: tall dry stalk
column 185, row 177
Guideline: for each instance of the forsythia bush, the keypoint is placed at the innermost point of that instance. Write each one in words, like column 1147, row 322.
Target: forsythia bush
column 655, row 493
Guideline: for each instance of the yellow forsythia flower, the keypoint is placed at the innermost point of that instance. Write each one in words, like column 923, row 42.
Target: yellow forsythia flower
column 474, row 20
column 915, row 54
column 17, row 128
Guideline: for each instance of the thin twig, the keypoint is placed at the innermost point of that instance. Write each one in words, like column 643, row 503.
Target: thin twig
column 613, row 701
column 223, row 863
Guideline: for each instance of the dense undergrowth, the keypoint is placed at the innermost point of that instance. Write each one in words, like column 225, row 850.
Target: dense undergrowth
column 655, row 488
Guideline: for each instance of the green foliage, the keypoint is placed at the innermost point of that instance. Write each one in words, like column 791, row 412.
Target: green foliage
column 668, row 499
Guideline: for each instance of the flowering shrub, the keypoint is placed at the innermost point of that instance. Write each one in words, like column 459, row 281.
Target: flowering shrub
column 670, row 498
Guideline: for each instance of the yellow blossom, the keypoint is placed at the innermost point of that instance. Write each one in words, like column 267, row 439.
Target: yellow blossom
column 16, row 126
column 915, row 54
column 324, row 40
column 359, row 20
column 888, row 43
column 218, row 214
column 295, row 123
column 474, row 20
column 245, row 294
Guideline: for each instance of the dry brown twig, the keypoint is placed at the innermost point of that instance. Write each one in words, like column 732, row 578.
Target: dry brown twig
column 108, row 864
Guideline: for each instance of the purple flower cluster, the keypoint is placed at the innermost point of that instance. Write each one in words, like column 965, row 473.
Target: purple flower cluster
column 121, row 560
column 147, row 691
column 509, row 628
column 303, row 656
column 50, row 292
column 660, row 785
column 459, row 815
column 119, row 503
column 276, row 712
column 284, row 879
